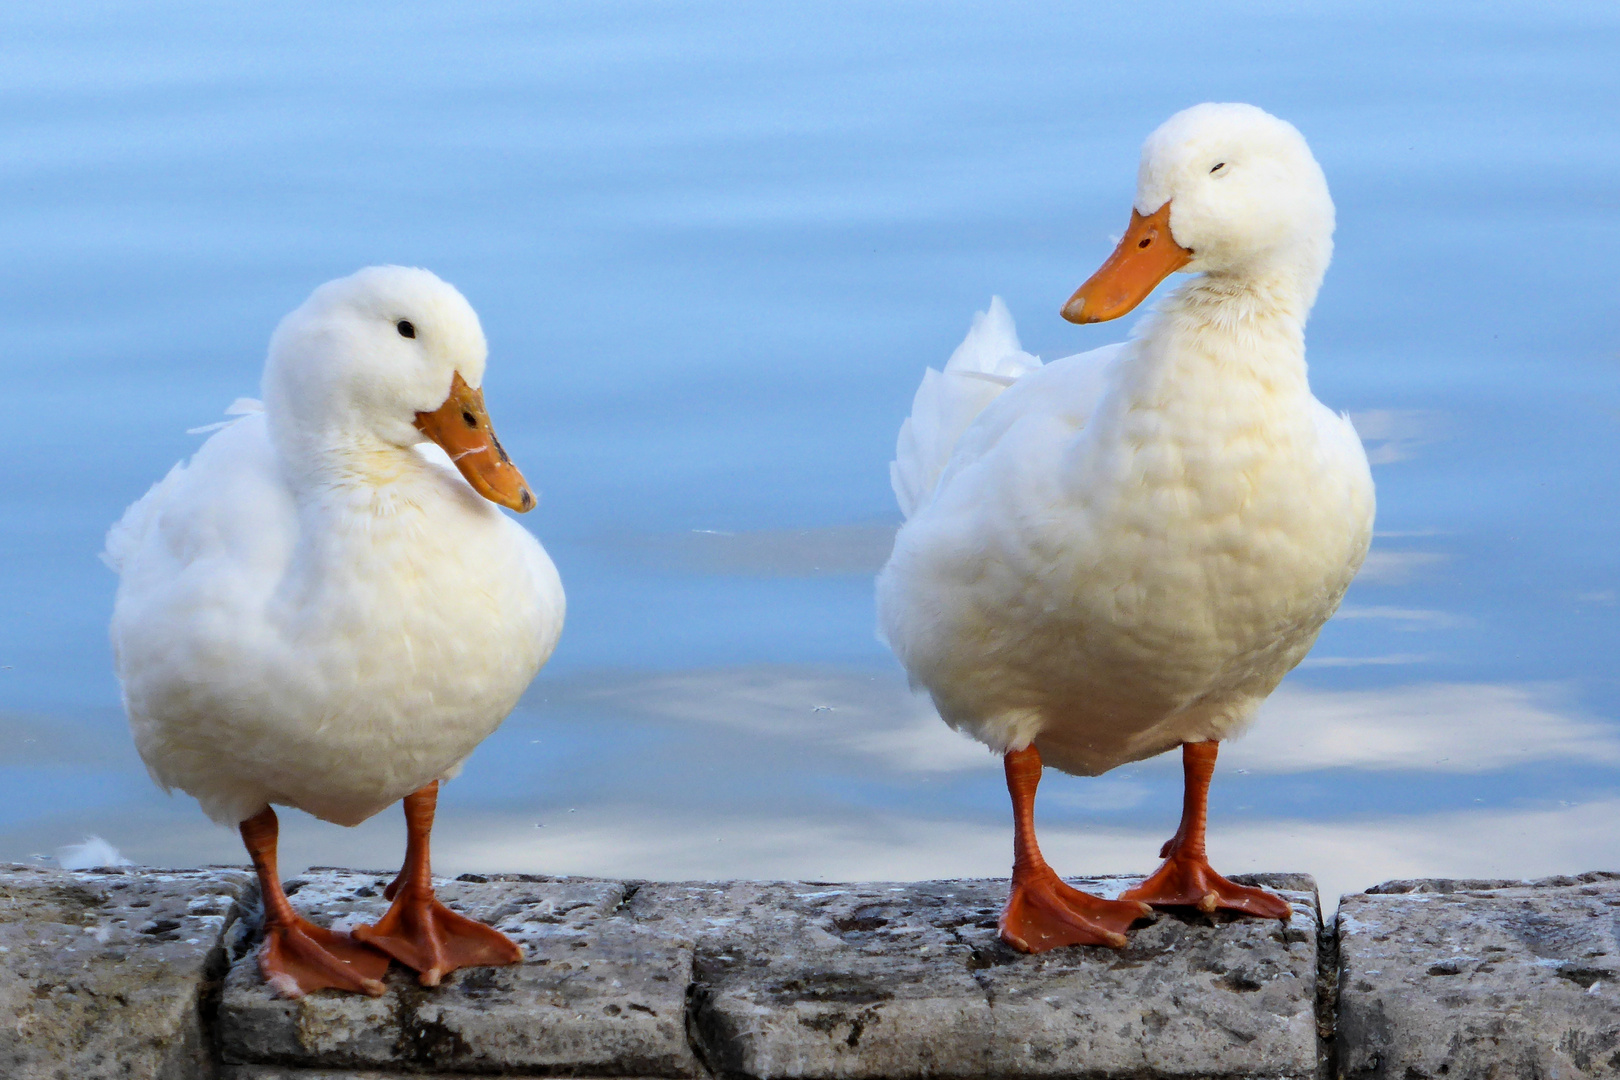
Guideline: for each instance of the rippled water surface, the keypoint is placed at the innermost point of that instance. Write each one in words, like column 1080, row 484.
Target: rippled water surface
column 714, row 248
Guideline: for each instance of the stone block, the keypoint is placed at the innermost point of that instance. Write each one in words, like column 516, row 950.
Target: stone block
column 1481, row 979
column 292, row 1072
column 910, row 980
column 598, row 993
column 107, row 973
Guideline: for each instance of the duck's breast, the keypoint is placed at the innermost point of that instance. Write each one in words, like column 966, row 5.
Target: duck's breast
column 337, row 661
column 1115, row 587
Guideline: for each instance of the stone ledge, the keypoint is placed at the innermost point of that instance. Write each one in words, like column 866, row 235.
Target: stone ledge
column 795, row 979
column 110, row 973
column 150, row 974
column 1467, row 979
column 289, row 1072
column 600, row 993
column 891, row 980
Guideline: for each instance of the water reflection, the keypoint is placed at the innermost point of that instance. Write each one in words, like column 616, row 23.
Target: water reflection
column 714, row 248
column 828, row 772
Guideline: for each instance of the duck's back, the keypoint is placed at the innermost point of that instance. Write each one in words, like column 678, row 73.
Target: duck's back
column 210, row 535
column 197, row 557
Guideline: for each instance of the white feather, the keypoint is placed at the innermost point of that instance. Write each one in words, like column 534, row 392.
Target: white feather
column 1127, row 549
column 988, row 361
column 242, row 406
column 93, row 852
column 310, row 611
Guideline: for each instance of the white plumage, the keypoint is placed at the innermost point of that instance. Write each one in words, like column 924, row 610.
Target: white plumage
column 1128, row 549
column 317, row 610
column 988, row 360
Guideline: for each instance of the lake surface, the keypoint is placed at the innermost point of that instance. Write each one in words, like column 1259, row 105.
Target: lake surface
column 714, row 247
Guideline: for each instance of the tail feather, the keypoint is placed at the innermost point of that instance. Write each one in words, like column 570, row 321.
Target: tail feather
column 987, row 362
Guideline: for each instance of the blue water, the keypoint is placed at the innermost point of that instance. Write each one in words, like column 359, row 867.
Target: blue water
column 713, row 247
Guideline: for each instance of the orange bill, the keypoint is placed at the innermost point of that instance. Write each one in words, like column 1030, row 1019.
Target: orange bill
column 1146, row 256
column 461, row 426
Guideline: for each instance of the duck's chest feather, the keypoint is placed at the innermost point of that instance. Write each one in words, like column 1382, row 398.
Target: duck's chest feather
column 326, row 654
column 406, row 618
column 1204, row 517
column 1174, row 552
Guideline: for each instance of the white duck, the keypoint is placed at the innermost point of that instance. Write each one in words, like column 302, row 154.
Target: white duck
column 1126, row 550
column 319, row 611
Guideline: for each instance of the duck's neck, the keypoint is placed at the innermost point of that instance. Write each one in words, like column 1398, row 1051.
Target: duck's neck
column 1230, row 329
column 345, row 468
column 362, row 501
column 368, row 514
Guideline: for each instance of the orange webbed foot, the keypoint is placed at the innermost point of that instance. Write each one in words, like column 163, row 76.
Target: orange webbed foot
column 423, row 934
column 1188, row 881
column 299, row 957
column 1043, row 912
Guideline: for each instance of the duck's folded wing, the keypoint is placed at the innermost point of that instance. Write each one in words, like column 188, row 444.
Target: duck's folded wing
column 227, row 502
column 987, row 362
column 1055, row 401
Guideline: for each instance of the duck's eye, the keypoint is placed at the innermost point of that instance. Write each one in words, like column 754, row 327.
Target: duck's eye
column 405, row 328
column 1217, row 168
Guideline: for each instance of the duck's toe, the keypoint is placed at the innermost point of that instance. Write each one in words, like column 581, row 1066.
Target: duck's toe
column 298, row 958
column 1044, row 913
column 1189, row 881
column 424, row 935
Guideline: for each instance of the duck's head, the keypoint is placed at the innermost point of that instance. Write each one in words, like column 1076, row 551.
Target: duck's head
column 1223, row 190
column 389, row 356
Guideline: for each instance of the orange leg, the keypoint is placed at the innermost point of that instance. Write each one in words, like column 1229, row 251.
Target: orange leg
column 297, row 956
column 420, row 932
column 1042, row 912
column 1186, row 878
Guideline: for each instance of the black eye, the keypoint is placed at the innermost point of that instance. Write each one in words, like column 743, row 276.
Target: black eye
column 1217, row 168
column 405, row 328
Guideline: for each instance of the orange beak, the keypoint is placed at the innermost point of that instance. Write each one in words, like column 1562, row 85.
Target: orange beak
column 461, row 426
column 1146, row 256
